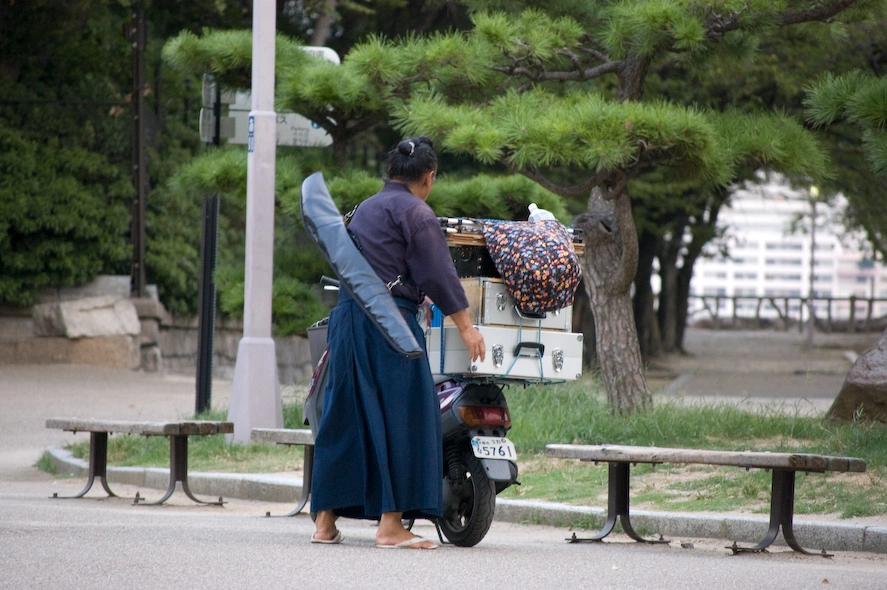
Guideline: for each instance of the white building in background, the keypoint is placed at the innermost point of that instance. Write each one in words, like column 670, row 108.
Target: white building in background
column 767, row 259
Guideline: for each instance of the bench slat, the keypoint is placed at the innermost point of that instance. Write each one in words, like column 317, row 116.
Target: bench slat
column 751, row 459
column 182, row 427
column 282, row 436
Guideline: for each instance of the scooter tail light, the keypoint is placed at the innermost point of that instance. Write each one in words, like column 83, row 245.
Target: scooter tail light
column 485, row 416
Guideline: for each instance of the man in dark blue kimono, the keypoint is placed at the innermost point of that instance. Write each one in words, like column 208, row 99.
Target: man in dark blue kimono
column 378, row 448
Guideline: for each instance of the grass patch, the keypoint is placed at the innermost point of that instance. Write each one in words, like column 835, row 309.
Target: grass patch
column 44, row 464
column 577, row 413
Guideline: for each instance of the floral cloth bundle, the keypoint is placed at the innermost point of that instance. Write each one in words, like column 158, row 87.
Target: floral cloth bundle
column 537, row 262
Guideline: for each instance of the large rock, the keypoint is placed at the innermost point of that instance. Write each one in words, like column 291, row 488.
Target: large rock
column 864, row 393
column 91, row 317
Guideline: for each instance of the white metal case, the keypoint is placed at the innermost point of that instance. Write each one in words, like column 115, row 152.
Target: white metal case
column 518, row 354
column 500, row 308
column 490, row 303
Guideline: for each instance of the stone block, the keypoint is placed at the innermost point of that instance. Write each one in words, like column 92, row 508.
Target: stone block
column 150, row 332
column 148, row 308
column 87, row 318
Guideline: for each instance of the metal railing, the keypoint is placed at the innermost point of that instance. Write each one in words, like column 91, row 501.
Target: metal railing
column 831, row 314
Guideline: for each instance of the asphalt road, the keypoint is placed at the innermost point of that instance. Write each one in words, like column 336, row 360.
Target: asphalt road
column 108, row 543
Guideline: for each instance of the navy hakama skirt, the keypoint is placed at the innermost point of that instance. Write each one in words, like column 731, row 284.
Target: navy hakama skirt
column 378, row 446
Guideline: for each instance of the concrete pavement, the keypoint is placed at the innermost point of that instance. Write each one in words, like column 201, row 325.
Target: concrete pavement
column 758, row 369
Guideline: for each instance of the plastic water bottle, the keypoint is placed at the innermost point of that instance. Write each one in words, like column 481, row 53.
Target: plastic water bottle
column 537, row 214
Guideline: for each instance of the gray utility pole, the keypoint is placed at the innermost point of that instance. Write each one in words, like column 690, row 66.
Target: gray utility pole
column 255, row 393
column 136, row 35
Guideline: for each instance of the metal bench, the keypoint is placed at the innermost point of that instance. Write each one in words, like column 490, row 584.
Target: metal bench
column 290, row 436
column 177, row 431
column 783, row 465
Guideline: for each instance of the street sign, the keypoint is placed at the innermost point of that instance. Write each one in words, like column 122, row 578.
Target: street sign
column 292, row 128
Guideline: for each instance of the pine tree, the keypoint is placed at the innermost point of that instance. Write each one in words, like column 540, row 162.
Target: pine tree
column 569, row 110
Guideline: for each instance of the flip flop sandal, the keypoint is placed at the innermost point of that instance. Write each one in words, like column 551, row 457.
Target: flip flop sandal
column 410, row 544
column 334, row 541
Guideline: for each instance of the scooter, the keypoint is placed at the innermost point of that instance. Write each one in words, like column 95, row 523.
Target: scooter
column 479, row 461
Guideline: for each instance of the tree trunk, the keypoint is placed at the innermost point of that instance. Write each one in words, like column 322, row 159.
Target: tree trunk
column 702, row 233
column 609, row 262
column 682, row 300
column 645, row 317
column 324, row 23
column 668, row 315
column 583, row 322
column 619, row 354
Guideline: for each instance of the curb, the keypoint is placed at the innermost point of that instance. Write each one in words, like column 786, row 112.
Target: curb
column 673, row 526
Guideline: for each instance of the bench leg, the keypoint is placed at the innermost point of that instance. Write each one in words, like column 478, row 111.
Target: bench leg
column 307, row 468
column 618, row 501
column 178, row 472
column 98, row 465
column 782, row 509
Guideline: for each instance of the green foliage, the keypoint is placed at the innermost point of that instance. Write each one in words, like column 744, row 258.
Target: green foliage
column 63, row 215
column 773, row 141
column 172, row 252
column 297, row 267
column 537, row 129
column 227, row 54
column 531, row 35
column 63, row 184
column 492, row 197
column 295, row 304
column 643, row 28
column 859, row 99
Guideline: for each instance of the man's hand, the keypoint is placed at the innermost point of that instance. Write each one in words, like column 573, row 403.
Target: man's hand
column 470, row 336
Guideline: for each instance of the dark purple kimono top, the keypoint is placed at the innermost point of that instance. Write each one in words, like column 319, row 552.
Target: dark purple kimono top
column 401, row 236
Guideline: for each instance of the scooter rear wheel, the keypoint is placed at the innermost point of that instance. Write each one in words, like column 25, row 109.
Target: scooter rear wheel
column 469, row 501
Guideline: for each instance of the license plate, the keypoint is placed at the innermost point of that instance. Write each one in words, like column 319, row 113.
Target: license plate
column 489, row 447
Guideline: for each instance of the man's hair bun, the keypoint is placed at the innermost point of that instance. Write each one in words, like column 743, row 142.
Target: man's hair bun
column 412, row 158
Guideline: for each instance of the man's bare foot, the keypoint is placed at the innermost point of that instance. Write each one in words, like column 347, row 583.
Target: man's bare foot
column 392, row 534
column 326, row 531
